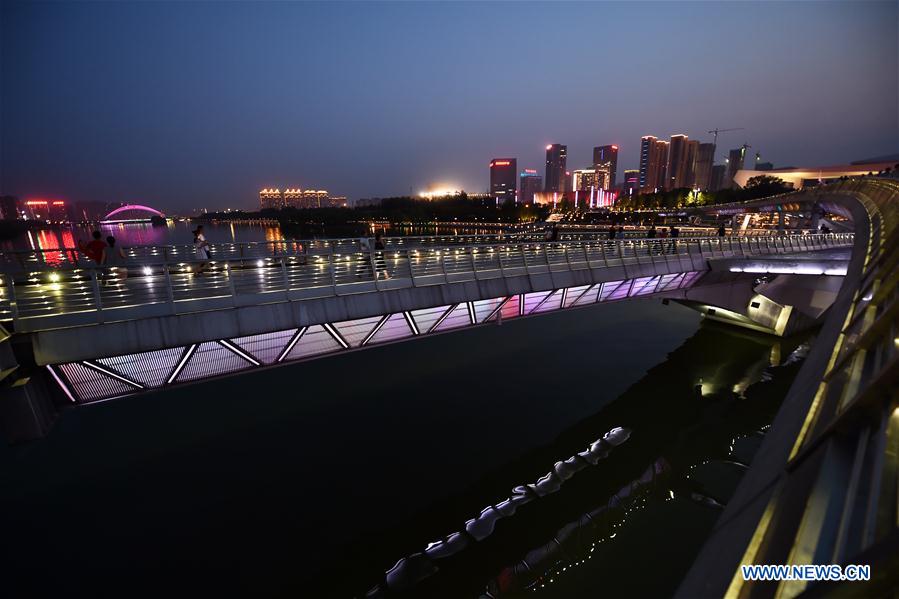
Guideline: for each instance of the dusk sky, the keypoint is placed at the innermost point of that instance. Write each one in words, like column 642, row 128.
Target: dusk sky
column 184, row 105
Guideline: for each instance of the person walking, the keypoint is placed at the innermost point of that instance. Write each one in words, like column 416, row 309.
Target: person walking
column 114, row 260
column 94, row 248
column 201, row 249
column 380, row 262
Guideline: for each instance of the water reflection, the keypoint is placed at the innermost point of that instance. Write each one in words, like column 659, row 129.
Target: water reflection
column 693, row 441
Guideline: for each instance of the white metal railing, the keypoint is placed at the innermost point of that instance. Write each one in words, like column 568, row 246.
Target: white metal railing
column 171, row 285
column 11, row 261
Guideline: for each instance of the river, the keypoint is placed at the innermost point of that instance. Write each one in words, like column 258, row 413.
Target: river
column 313, row 479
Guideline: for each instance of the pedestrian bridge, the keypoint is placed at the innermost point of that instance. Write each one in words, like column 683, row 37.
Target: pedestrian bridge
column 168, row 318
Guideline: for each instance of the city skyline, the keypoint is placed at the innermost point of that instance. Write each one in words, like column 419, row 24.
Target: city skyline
column 101, row 112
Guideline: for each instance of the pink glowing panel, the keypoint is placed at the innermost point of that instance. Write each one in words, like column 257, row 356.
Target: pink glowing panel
column 574, row 293
column 588, row 297
column 315, row 341
column 532, row 300
column 645, row 285
column 211, row 359
column 150, row 369
column 484, row 308
column 552, row 302
column 426, row 318
column 393, row 328
column 620, row 291
column 354, row 331
column 90, row 385
column 457, row 318
column 670, row 281
column 267, row 346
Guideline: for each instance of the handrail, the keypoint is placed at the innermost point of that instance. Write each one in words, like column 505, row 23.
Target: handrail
column 823, row 487
column 11, row 260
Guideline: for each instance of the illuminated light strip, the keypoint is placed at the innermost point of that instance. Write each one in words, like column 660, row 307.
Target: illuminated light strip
column 187, row 354
column 227, row 344
column 411, row 322
column 112, row 374
column 290, row 344
column 442, row 318
column 472, row 317
column 521, row 304
column 376, row 329
column 328, row 327
column 61, row 384
column 564, row 297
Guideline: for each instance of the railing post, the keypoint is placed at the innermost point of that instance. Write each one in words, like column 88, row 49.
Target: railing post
column 284, row 275
column 168, row 285
column 96, row 289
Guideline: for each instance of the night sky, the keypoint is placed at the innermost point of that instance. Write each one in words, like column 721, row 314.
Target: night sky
column 187, row 105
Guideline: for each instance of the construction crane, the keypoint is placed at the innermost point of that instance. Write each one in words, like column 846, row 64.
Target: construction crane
column 716, row 131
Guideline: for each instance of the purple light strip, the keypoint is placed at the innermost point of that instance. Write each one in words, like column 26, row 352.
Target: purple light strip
column 374, row 331
column 58, row 380
column 411, row 322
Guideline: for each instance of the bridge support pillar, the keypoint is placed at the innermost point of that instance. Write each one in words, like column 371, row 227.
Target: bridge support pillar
column 27, row 405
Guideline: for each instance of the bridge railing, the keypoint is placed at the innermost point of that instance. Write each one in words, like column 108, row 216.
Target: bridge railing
column 36, row 298
column 824, row 488
column 11, row 261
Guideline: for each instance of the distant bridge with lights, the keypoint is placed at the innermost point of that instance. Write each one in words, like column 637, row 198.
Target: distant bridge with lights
column 132, row 213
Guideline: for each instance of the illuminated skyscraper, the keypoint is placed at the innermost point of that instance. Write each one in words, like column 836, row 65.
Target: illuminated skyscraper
column 271, row 199
column 681, row 162
column 653, row 160
column 503, row 180
column 585, row 179
column 556, row 163
column 293, row 198
column 631, row 182
column 605, row 162
column 530, row 183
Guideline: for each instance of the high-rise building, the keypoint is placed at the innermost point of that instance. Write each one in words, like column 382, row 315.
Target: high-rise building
column 653, row 162
column 691, row 154
column 704, row 162
column 293, row 198
column 717, row 179
column 334, row 202
column 314, row 198
column 270, row 199
column 605, row 162
column 530, row 183
column 556, row 162
column 676, row 169
column 631, row 183
column 584, row 179
column 504, row 180
column 734, row 163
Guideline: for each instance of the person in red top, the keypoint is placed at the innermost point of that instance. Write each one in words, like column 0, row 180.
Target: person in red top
column 94, row 249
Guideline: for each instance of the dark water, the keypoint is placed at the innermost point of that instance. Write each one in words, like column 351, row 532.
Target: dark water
column 313, row 479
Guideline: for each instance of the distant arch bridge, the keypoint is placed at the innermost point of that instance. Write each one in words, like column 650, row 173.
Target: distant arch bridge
column 132, row 212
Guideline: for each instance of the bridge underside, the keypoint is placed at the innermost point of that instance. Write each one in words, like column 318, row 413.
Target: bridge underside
column 100, row 378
